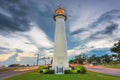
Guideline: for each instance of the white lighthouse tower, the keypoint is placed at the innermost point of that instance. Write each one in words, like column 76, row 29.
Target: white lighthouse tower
column 60, row 58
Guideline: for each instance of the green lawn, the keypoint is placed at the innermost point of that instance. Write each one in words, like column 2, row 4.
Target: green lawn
column 88, row 76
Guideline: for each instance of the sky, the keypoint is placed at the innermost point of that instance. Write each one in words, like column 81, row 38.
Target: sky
column 27, row 28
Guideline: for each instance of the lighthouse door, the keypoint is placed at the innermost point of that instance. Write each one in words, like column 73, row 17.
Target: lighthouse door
column 60, row 65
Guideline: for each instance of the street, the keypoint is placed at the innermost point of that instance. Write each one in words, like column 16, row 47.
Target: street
column 109, row 71
column 7, row 74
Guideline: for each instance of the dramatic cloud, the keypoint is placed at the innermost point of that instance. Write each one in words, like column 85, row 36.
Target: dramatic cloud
column 99, row 34
column 14, row 15
column 38, row 37
column 26, row 44
column 27, row 28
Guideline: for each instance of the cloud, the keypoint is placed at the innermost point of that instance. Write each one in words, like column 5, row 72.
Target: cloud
column 5, row 13
column 74, row 52
column 2, row 49
column 18, row 59
column 99, row 34
column 38, row 37
column 78, row 31
column 26, row 44
column 14, row 16
column 5, row 57
column 20, row 28
column 27, row 29
column 15, row 41
column 25, row 55
column 19, row 51
column 109, row 29
column 96, row 44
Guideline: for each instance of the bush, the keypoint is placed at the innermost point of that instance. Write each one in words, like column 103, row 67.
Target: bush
column 81, row 69
column 67, row 71
column 70, row 71
column 78, row 71
column 42, row 69
column 49, row 72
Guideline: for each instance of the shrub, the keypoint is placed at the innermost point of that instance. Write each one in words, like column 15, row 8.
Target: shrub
column 78, row 71
column 70, row 71
column 67, row 71
column 42, row 69
column 81, row 69
column 49, row 72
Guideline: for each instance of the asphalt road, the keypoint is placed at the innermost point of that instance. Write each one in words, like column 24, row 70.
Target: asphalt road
column 7, row 74
column 109, row 71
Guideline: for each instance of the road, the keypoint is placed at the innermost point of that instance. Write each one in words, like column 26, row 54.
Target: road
column 109, row 71
column 7, row 74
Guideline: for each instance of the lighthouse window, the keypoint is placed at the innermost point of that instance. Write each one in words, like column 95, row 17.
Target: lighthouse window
column 60, row 12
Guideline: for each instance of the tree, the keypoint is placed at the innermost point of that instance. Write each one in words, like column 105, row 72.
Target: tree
column 92, row 58
column 79, row 59
column 71, row 61
column 106, row 58
column 114, row 58
column 116, row 49
column 98, row 59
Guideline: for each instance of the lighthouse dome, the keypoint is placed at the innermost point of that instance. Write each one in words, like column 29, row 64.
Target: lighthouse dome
column 60, row 13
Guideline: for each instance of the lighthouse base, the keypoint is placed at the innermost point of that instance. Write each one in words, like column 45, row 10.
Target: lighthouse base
column 60, row 70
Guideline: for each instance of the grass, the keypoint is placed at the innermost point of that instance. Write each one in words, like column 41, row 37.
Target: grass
column 88, row 76
column 111, row 65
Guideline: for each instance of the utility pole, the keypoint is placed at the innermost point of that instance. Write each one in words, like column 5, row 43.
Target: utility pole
column 37, row 59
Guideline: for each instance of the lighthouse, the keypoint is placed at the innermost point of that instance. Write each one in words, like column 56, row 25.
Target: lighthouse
column 60, row 58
